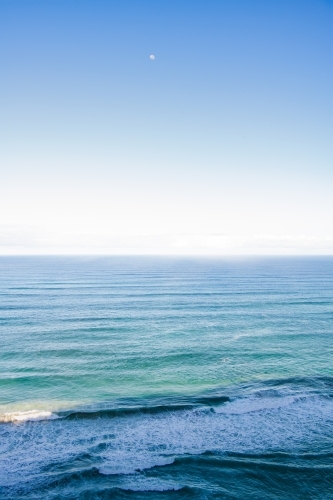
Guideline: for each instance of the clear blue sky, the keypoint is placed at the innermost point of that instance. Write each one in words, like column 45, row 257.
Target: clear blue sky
column 222, row 144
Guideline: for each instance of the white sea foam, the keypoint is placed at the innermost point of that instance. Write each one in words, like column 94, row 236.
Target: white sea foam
column 248, row 405
column 127, row 444
column 25, row 416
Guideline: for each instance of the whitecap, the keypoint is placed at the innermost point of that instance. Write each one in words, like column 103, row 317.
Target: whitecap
column 25, row 416
column 249, row 405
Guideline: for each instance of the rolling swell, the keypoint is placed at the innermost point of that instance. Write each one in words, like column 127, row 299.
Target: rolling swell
column 192, row 403
column 272, row 389
column 279, row 476
column 122, row 412
column 276, row 388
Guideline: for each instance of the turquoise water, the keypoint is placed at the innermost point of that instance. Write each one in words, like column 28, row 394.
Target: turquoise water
column 166, row 378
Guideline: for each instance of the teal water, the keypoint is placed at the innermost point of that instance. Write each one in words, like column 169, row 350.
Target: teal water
column 166, row 378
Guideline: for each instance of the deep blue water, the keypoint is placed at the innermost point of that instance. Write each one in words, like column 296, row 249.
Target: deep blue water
column 166, row 378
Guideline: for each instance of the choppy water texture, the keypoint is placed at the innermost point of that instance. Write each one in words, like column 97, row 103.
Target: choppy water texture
column 150, row 378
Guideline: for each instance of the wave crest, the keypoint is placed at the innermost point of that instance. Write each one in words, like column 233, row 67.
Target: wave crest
column 25, row 416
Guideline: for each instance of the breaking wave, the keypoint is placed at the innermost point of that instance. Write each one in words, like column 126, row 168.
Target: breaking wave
column 124, row 442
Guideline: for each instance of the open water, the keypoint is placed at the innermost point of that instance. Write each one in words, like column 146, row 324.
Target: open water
column 152, row 378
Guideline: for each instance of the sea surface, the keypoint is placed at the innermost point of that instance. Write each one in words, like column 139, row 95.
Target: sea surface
column 164, row 378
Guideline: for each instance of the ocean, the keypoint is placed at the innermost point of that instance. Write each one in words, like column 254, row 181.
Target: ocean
column 166, row 378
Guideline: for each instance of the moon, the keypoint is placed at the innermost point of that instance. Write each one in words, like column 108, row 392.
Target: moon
column 152, row 57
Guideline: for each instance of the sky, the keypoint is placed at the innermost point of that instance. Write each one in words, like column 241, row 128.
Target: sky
column 221, row 145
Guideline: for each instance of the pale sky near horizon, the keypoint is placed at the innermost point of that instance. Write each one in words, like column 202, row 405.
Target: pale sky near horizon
column 222, row 144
